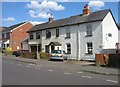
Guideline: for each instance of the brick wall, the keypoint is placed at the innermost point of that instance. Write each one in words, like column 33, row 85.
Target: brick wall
column 19, row 34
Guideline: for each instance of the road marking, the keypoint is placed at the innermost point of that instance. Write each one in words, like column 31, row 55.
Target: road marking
column 28, row 66
column 11, row 62
column 112, row 81
column 37, row 67
column 31, row 64
column 18, row 64
column 67, row 73
column 79, row 72
column 86, row 77
column 50, row 70
column 5, row 62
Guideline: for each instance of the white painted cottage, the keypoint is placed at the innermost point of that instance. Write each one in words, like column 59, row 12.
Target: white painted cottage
column 81, row 36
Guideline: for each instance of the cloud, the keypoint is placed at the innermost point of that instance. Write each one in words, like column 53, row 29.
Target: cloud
column 96, row 5
column 36, row 22
column 9, row 19
column 42, row 10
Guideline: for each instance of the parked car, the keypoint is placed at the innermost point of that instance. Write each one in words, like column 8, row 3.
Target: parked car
column 17, row 53
column 58, row 55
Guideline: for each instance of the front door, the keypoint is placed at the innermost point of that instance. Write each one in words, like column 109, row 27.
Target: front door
column 52, row 48
column 47, row 48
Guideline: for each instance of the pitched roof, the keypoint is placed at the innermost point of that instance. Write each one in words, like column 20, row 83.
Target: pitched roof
column 94, row 16
column 119, row 26
column 8, row 29
column 2, row 28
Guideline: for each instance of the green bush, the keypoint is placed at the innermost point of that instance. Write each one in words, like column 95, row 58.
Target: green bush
column 8, row 51
column 44, row 55
column 31, row 55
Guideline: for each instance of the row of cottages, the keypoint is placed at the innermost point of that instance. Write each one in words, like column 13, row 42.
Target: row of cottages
column 14, row 35
column 81, row 36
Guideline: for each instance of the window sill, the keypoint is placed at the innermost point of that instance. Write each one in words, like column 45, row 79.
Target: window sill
column 88, row 35
column 67, row 37
column 56, row 37
column 47, row 38
column 88, row 53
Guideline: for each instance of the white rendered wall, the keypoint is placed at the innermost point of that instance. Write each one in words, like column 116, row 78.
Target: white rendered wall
column 61, row 39
column 96, row 39
column 109, row 26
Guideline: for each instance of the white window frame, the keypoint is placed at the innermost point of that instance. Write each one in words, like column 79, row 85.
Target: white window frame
column 68, row 33
column 30, row 36
column 89, row 30
column 68, row 52
column 89, row 46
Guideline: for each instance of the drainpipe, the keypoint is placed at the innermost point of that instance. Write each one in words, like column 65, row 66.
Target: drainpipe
column 11, row 39
column 77, row 43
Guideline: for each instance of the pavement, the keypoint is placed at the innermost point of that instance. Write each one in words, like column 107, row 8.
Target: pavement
column 84, row 66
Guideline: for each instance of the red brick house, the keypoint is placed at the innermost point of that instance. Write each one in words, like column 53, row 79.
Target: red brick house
column 13, row 36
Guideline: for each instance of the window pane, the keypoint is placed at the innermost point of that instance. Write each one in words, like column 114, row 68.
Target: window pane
column 89, row 30
column 69, row 48
column 57, row 32
column 68, row 32
column 31, row 36
column 89, row 48
column 37, row 35
column 48, row 33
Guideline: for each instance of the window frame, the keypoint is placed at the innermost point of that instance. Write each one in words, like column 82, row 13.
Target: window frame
column 89, row 48
column 48, row 33
column 31, row 36
column 68, row 33
column 57, row 32
column 38, row 35
column 89, row 30
column 68, row 48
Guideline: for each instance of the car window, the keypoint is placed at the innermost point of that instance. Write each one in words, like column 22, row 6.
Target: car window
column 57, row 51
column 64, row 52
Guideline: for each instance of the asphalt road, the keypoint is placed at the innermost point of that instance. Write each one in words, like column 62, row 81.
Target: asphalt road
column 20, row 73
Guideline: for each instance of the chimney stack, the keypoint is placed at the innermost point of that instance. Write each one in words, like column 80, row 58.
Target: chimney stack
column 51, row 19
column 86, row 10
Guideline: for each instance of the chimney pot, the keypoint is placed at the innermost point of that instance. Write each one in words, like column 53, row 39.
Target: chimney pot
column 51, row 18
column 86, row 10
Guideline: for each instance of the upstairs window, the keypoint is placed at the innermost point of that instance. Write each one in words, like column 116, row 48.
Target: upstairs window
column 37, row 35
column 89, row 30
column 68, row 48
column 57, row 32
column 48, row 34
column 68, row 34
column 7, row 35
column 31, row 36
column 89, row 48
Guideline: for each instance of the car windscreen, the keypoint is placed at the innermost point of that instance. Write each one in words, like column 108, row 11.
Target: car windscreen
column 57, row 51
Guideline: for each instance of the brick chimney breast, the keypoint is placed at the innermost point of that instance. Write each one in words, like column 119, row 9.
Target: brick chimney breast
column 51, row 18
column 86, row 10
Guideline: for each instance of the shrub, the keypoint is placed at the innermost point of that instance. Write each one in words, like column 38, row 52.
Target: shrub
column 44, row 55
column 8, row 51
column 31, row 55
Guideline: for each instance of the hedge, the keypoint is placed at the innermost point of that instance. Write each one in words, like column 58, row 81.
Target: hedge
column 31, row 55
column 44, row 55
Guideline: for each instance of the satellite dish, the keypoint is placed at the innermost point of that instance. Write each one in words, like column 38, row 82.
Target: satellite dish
column 110, row 35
